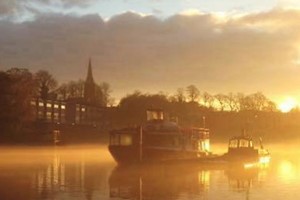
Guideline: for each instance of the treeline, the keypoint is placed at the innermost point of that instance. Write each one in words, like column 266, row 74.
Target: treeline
column 189, row 105
column 234, row 102
column 18, row 86
column 75, row 89
column 16, row 89
column 42, row 84
column 225, row 114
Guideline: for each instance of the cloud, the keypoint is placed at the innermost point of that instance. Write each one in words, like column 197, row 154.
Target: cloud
column 156, row 11
column 253, row 52
column 11, row 8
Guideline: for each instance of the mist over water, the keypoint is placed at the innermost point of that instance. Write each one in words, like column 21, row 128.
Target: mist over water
column 89, row 172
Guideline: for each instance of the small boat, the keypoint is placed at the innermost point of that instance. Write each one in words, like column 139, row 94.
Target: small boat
column 241, row 149
column 159, row 140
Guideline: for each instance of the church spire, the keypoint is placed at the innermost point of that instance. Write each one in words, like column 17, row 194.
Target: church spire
column 89, row 85
column 89, row 77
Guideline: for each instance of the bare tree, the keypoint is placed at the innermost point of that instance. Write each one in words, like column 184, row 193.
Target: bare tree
column 222, row 99
column 45, row 82
column 241, row 101
column 232, row 102
column 103, row 92
column 193, row 93
column 255, row 102
column 259, row 101
column 270, row 106
column 62, row 91
column 207, row 99
column 72, row 89
column 179, row 96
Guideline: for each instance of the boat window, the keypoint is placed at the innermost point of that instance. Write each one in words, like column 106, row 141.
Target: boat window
column 155, row 115
column 204, row 145
column 121, row 139
column 250, row 144
column 233, row 144
column 114, row 139
column 244, row 143
column 126, row 140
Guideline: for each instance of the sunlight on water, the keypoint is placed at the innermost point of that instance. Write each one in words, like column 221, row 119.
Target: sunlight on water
column 89, row 172
column 287, row 171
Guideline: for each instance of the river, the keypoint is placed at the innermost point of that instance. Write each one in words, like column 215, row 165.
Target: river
column 89, row 172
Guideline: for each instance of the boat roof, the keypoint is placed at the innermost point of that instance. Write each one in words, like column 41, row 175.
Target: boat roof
column 155, row 109
column 241, row 137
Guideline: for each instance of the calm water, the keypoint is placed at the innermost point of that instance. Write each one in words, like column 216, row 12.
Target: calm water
column 82, row 172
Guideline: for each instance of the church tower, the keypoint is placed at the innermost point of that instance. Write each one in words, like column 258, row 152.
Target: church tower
column 89, row 85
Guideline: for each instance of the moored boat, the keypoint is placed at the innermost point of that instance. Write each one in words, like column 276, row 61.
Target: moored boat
column 241, row 149
column 159, row 140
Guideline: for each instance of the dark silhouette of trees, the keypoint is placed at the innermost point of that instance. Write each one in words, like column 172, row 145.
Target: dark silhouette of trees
column 232, row 102
column 207, row 99
column 179, row 96
column 222, row 101
column 193, row 93
column 72, row 89
column 254, row 102
column 45, row 82
column 270, row 106
column 17, row 86
column 103, row 93
column 75, row 89
column 238, row 110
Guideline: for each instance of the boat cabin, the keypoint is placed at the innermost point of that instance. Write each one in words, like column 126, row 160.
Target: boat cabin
column 241, row 146
column 200, row 137
column 155, row 114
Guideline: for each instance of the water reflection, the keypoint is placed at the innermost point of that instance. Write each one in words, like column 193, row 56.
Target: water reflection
column 158, row 182
column 54, row 174
column 178, row 182
column 287, row 170
column 79, row 177
column 89, row 173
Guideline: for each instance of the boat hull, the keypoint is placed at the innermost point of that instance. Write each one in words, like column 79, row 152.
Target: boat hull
column 132, row 155
column 125, row 154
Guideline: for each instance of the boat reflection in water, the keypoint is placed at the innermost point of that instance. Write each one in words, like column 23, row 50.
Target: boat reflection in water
column 242, row 180
column 179, row 181
column 158, row 182
column 78, row 173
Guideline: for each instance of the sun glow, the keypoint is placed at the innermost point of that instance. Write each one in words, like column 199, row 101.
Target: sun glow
column 287, row 170
column 287, row 105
